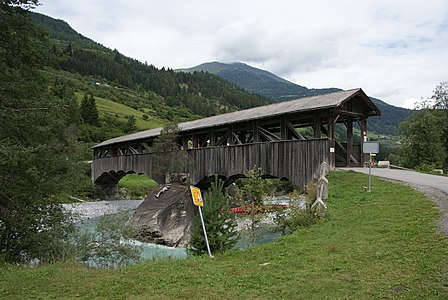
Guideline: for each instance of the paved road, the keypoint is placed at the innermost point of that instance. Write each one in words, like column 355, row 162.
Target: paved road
column 411, row 177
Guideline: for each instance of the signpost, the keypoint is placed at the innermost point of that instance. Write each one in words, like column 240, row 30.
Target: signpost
column 197, row 200
column 371, row 148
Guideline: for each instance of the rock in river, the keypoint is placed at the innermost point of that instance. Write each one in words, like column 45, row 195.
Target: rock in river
column 165, row 216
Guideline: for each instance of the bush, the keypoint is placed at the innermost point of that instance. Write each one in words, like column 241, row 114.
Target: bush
column 219, row 223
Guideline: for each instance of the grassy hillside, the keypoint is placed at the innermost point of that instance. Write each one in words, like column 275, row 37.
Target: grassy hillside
column 121, row 112
column 369, row 248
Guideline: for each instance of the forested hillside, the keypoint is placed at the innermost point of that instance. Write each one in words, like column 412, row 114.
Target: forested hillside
column 278, row 89
column 202, row 94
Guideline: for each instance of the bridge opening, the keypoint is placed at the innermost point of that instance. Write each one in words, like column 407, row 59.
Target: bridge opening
column 136, row 185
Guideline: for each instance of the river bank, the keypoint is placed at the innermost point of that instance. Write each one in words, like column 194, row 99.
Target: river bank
column 89, row 210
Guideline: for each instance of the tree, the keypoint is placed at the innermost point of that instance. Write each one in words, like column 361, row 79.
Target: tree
column 168, row 159
column 89, row 112
column 131, row 125
column 34, row 150
column 426, row 132
column 219, row 223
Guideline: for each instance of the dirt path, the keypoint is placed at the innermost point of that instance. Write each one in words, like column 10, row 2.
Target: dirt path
column 433, row 186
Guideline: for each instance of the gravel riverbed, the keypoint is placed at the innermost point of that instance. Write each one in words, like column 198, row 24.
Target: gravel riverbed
column 88, row 210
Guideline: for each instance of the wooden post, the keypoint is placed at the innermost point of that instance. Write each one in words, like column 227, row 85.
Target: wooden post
column 195, row 141
column 212, row 138
column 185, row 143
column 256, row 133
column 349, row 140
column 231, row 139
column 332, row 156
column 316, row 127
column 284, row 134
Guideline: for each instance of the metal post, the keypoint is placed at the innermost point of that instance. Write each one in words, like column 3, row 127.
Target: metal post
column 205, row 233
column 370, row 173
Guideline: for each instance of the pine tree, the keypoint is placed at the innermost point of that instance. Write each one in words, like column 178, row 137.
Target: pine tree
column 34, row 151
column 168, row 158
column 219, row 223
column 89, row 112
column 131, row 125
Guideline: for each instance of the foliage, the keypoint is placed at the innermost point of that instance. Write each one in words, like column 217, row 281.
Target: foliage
column 426, row 132
column 35, row 149
column 89, row 112
column 299, row 212
column 219, row 223
column 254, row 187
column 105, row 246
column 370, row 248
column 168, row 156
column 187, row 94
column 137, row 185
column 131, row 125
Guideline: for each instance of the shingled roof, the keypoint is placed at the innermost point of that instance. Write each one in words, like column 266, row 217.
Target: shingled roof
column 325, row 101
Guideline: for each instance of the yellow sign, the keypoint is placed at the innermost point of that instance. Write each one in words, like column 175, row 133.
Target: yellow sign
column 197, row 196
column 372, row 154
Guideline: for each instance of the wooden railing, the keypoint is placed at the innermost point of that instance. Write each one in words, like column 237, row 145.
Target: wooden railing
column 297, row 160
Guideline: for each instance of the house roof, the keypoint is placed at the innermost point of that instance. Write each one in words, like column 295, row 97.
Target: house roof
column 331, row 100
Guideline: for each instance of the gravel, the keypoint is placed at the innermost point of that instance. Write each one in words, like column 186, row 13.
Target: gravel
column 88, row 210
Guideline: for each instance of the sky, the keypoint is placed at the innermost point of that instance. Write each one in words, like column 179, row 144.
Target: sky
column 396, row 51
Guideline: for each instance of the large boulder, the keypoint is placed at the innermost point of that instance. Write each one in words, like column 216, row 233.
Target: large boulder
column 165, row 216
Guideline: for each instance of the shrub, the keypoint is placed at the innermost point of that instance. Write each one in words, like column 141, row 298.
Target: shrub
column 219, row 223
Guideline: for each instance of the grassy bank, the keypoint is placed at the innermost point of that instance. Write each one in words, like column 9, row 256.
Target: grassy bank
column 137, row 185
column 374, row 245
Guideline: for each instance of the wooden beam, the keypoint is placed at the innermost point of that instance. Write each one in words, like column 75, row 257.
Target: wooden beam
column 349, row 140
column 194, row 139
column 317, row 124
column 284, row 129
column 238, row 141
column 348, row 113
column 223, row 139
column 256, row 133
column 268, row 135
column 294, row 132
column 332, row 144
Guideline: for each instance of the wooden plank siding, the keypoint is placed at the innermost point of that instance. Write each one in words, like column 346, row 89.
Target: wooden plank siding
column 297, row 160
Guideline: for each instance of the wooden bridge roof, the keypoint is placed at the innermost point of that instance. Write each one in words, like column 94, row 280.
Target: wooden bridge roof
column 326, row 101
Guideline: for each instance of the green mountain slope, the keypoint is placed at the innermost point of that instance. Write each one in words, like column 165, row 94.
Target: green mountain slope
column 278, row 89
column 184, row 95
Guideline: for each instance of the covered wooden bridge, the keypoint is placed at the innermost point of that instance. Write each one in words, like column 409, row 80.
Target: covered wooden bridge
column 287, row 140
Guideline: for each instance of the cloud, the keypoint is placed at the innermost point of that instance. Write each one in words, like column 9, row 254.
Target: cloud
column 395, row 50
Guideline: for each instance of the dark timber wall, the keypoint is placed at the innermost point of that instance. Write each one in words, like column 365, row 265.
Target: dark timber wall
column 297, row 160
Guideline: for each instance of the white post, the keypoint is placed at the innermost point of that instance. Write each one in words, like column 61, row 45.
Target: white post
column 205, row 233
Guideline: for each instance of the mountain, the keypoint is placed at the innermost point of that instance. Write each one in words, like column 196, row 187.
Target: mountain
column 169, row 95
column 258, row 81
column 278, row 89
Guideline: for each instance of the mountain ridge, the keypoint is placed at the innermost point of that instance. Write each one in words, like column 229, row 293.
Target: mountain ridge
column 267, row 84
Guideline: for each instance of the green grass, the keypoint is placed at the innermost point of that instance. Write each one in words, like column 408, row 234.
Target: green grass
column 137, row 185
column 377, row 245
column 121, row 111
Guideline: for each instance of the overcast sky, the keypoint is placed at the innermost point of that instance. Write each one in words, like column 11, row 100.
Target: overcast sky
column 395, row 50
